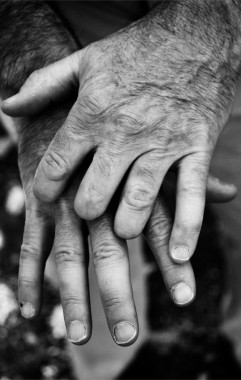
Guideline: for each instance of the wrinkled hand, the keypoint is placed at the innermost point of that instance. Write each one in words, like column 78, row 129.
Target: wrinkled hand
column 57, row 225
column 152, row 96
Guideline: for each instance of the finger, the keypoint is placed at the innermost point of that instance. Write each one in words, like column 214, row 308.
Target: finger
column 139, row 194
column 179, row 279
column 66, row 151
column 217, row 190
column 100, row 182
column 111, row 263
column 220, row 191
column 45, row 86
column 71, row 255
column 190, row 203
column 37, row 243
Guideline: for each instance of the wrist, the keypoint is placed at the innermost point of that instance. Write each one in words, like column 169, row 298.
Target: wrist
column 211, row 27
column 204, row 38
column 210, row 20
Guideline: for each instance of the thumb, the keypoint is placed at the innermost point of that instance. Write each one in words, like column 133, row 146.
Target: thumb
column 219, row 191
column 45, row 86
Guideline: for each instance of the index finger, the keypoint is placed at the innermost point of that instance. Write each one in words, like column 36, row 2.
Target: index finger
column 66, row 151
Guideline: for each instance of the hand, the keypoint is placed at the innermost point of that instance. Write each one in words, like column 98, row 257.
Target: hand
column 154, row 95
column 70, row 246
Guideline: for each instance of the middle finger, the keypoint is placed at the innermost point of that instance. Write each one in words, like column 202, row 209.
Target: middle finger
column 110, row 257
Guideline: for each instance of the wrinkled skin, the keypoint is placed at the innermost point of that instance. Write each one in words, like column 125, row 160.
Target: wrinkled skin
column 153, row 96
column 70, row 245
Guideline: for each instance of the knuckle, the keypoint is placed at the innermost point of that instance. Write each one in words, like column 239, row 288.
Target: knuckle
column 113, row 301
column 87, row 114
column 69, row 300
column 138, row 198
column 190, row 190
column 55, row 166
column 106, row 254
column 92, row 103
column 159, row 238
column 158, row 228
column 75, row 124
column 65, row 254
column 29, row 252
column 124, row 117
column 25, row 282
column 160, row 223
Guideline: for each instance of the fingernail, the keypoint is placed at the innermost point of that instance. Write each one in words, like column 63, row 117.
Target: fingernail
column 181, row 253
column 27, row 310
column 124, row 332
column 10, row 100
column 182, row 293
column 76, row 332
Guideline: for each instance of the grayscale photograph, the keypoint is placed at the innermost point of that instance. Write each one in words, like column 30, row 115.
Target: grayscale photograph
column 120, row 189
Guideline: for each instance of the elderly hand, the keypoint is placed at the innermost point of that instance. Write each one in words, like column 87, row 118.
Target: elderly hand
column 153, row 96
column 56, row 226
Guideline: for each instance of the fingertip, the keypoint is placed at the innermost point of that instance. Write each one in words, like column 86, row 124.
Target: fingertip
column 87, row 208
column 234, row 188
column 220, row 191
column 29, row 299
column 129, row 225
column 230, row 190
column 11, row 100
column 8, row 105
column 125, row 231
column 28, row 310
column 182, row 294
